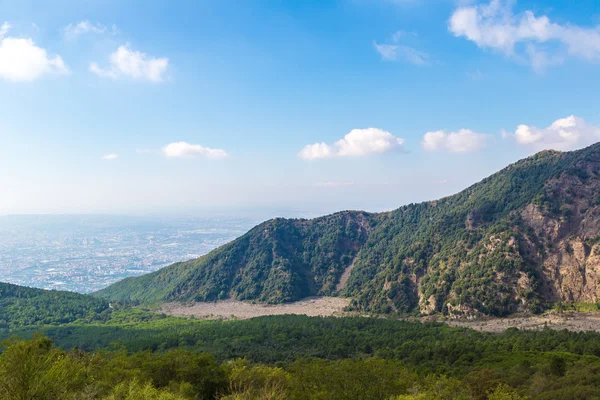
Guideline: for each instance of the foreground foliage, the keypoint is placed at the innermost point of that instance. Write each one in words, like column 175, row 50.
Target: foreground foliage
column 35, row 369
column 295, row 357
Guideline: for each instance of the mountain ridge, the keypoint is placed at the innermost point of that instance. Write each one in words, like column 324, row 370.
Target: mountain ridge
column 495, row 248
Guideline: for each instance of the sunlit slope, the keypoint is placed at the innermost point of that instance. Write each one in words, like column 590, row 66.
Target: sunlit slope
column 518, row 240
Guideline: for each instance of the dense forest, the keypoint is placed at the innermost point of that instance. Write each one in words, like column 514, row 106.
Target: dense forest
column 23, row 306
column 35, row 369
column 65, row 346
column 520, row 240
column 430, row 347
column 140, row 355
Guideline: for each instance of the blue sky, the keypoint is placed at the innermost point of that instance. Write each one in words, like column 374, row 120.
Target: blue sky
column 309, row 106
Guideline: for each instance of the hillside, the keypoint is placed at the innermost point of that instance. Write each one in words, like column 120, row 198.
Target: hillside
column 277, row 261
column 519, row 240
column 23, row 306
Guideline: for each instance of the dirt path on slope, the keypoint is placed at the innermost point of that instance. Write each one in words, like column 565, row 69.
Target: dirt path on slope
column 344, row 278
column 229, row 309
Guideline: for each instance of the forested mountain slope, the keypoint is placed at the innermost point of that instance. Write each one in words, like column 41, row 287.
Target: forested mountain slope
column 520, row 239
column 24, row 306
column 277, row 261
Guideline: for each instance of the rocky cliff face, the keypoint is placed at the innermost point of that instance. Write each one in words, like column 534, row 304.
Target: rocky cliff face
column 556, row 240
column 518, row 241
column 567, row 230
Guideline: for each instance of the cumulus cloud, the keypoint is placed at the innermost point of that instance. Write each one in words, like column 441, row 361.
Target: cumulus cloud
column 186, row 150
column 111, row 156
column 357, row 143
column 73, row 31
column 125, row 62
column 463, row 141
column 21, row 60
column 563, row 134
column 525, row 36
column 395, row 51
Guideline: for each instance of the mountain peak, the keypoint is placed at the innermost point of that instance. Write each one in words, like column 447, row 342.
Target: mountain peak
column 518, row 240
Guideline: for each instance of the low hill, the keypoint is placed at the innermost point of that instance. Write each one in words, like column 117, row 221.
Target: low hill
column 519, row 240
column 23, row 306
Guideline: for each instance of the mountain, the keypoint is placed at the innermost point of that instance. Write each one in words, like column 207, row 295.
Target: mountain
column 519, row 240
column 23, row 306
column 277, row 261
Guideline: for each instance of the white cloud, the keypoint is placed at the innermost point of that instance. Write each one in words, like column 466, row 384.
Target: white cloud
column 73, row 31
column 125, row 62
column 413, row 56
column 357, row 143
column 399, row 35
column 387, row 52
column 563, row 134
column 186, row 150
column 21, row 60
column 391, row 52
column 495, row 26
column 4, row 29
column 395, row 51
column 111, row 156
column 463, row 141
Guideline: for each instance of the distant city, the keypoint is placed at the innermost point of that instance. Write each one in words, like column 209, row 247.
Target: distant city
column 87, row 253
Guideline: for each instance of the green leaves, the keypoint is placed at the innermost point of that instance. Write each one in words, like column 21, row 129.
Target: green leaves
column 36, row 370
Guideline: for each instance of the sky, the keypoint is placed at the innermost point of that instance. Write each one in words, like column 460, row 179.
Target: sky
column 147, row 106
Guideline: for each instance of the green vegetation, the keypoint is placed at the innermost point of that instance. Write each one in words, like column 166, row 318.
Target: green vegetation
column 137, row 355
column 278, row 261
column 23, row 306
column 430, row 347
column 465, row 253
column 576, row 307
column 129, row 353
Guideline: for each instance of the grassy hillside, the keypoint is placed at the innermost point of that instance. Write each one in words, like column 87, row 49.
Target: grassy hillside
column 517, row 241
column 22, row 306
